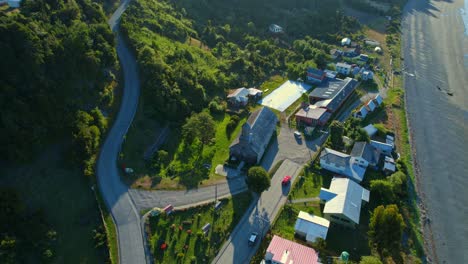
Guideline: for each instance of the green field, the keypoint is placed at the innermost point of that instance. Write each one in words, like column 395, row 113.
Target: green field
column 181, row 231
column 67, row 201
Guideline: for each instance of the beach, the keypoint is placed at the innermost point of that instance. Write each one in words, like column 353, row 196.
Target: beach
column 435, row 52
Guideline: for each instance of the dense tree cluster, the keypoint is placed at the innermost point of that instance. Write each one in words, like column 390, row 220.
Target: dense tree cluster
column 25, row 236
column 386, row 230
column 57, row 57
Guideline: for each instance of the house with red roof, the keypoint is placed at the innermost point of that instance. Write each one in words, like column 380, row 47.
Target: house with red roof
column 283, row 251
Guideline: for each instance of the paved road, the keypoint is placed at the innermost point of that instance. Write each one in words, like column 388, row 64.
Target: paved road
column 150, row 199
column 258, row 218
column 114, row 192
column 434, row 45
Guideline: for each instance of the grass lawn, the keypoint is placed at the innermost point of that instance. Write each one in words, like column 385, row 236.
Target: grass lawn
column 143, row 134
column 308, row 184
column 271, row 84
column 67, row 201
column 183, row 247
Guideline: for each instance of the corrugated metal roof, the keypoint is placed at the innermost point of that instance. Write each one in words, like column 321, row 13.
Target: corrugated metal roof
column 313, row 226
column 289, row 252
column 348, row 200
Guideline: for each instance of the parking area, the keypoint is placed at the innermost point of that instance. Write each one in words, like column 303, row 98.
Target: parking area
column 289, row 146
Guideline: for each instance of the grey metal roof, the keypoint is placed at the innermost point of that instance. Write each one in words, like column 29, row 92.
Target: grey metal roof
column 335, row 89
column 335, row 157
column 257, row 131
column 366, row 151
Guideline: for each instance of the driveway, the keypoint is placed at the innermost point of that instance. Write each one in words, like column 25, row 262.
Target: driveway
column 258, row 218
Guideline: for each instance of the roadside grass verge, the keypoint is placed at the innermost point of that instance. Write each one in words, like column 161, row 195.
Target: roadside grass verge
column 181, row 231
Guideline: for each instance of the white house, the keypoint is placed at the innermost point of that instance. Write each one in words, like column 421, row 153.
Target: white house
column 343, row 201
column 311, row 227
column 366, row 154
column 367, row 75
column 239, row 97
column 345, row 41
column 275, row 28
column 342, row 164
column 343, row 68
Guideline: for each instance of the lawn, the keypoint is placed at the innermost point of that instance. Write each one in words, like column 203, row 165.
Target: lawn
column 146, row 130
column 271, row 84
column 308, row 184
column 67, row 201
column 182, row 233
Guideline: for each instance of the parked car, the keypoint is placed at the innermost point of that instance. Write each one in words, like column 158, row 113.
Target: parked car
column 253, row 238
column 286, row 180
column 297, row 134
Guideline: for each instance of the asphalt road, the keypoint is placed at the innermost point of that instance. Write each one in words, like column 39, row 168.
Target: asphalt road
column 434, row 45
column 150, row 199
column 258, row 218
column 114, row 192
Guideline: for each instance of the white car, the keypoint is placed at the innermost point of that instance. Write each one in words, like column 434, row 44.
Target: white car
column 297, row 134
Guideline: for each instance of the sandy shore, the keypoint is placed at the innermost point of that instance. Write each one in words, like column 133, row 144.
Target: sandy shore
column 434, row 48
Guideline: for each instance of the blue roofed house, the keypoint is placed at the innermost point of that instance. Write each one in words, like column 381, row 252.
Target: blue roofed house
column 343, row 201
column 315, row 75
column 253, row 140
column 342, row 164
column 384, row 148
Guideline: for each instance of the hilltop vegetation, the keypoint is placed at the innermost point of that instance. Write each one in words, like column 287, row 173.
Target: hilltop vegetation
column 189, row 52
column 59, row 68
column 57, row 57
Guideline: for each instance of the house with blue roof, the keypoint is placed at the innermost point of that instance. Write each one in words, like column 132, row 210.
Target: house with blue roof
column 315, row 75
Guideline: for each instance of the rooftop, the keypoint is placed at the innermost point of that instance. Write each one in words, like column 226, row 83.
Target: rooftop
column 343, row 65
column 313, row 112
column 313, row 226
column 366, row 151
column 335, row 89
column 346, row 163
column 239, row 92
column 288, row 252
column 348, row 199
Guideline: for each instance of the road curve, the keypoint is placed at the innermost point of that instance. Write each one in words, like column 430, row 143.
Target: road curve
column 114, row 192
column 434, row 46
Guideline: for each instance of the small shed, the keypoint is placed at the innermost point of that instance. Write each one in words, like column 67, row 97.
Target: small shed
column 275, row 28
column 345, row 41
column 370, row 106
column 370, row 130
column 14, row 3
column 206, row 228
column 311, row 227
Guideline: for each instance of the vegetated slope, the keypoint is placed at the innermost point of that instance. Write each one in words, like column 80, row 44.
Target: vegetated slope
column 191, row 51
column 57, row 57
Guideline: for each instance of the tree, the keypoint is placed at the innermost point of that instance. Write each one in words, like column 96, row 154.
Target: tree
column 201, row 126
column 258, row 179
column 336, row 134
column 383, row 191
column 370, row 260
column 386, row 229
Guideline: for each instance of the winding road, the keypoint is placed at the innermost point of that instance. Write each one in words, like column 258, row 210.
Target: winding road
column 125, row 204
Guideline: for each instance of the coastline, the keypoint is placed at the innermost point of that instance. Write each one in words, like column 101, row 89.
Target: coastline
column 436, row 126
